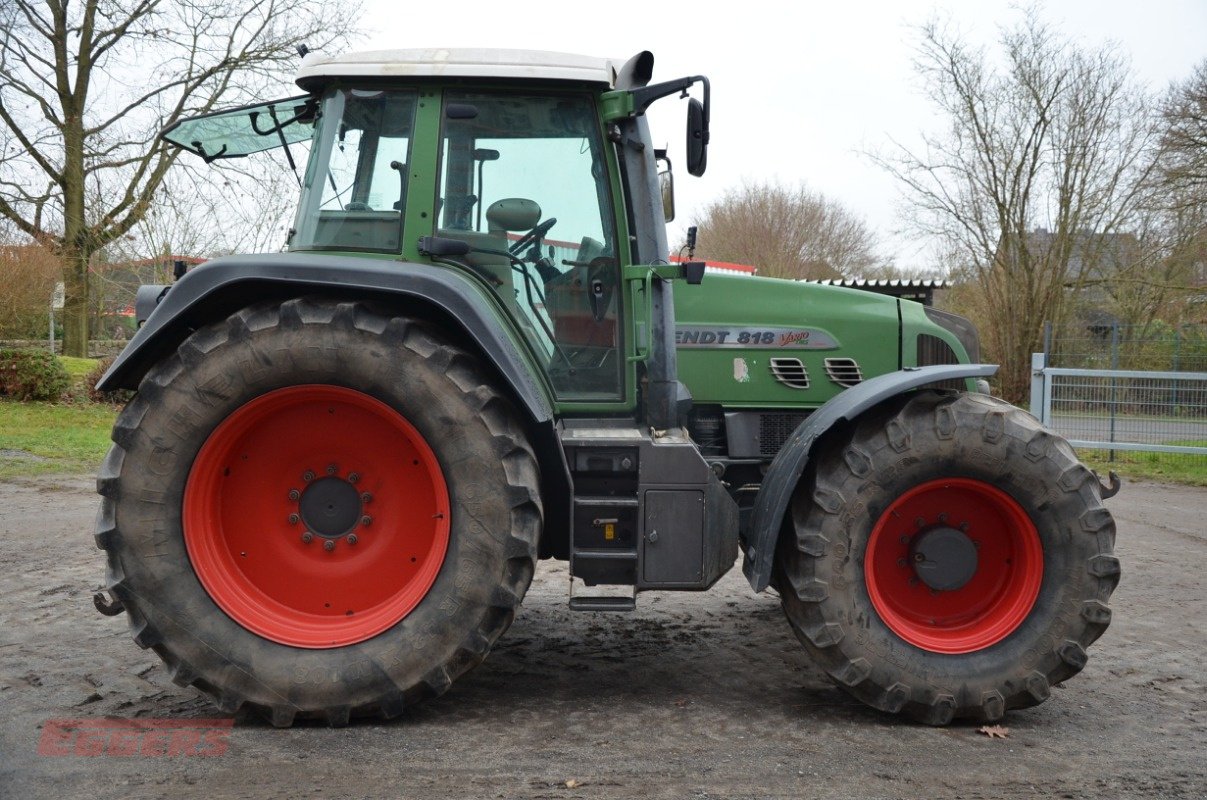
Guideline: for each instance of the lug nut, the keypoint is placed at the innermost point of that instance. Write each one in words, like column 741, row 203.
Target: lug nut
column 901, row 562
column 943, row 518
column 366, row 520
column 352, row 538
column 293, row 519
column 307, row 537
column 295, row 495
column 308, row 476
column 331, row 469
column 963, row 527
column 329, row 545
column 353, row 477
column 919, row 557
column 920, row 522
column 366, row 497
column 904, row 540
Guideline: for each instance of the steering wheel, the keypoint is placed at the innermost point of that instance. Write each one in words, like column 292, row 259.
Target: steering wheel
column 534, row 235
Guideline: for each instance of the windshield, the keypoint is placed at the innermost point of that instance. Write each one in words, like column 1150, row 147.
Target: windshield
column 354, row 191
column 238, row 132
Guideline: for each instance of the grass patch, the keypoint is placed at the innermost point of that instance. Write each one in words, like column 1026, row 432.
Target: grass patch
column 78, row 368
column 47, row 438
column 1185, row 468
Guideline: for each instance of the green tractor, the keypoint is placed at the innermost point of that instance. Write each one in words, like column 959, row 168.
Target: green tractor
column 343, row 461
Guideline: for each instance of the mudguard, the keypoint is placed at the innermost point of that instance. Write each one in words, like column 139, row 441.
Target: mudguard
column 789, row 464
column 221, row 286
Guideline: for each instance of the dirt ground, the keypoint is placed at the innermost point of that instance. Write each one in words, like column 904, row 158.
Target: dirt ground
column 692, row 696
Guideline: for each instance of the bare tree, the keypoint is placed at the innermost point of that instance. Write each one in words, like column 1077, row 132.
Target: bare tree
column 1042, row 163
column 1182, row 184
column 1169, row 229
column 86, row 84
column 786, row 232
column 1183, row 159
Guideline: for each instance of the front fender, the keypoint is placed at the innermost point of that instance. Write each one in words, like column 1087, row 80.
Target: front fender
column 219, row 287
column 789, row 464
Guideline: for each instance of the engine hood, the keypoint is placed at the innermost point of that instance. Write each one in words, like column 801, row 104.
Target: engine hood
column 765, row 342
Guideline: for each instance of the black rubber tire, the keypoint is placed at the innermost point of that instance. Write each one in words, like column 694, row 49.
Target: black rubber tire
column 927, row 436
column 488, row 465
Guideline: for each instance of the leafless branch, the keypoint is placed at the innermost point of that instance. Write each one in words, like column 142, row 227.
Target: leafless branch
column 85, row 86
column 1037, row 175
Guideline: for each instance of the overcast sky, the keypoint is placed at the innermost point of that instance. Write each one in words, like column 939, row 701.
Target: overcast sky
column 799, row 89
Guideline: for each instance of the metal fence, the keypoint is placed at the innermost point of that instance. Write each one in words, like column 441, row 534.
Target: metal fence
column 1156, row 346
column 1120, row 410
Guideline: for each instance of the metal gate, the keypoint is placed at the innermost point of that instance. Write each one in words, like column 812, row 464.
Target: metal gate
column 1163, row 412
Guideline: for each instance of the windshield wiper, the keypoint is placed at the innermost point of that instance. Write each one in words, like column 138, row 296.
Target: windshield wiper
column 279, row 127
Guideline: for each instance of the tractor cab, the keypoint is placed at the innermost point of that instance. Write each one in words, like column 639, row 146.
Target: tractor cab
column 519, row 185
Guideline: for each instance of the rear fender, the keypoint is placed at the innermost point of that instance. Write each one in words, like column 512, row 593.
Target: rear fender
column 789, row 464
column 219, row 287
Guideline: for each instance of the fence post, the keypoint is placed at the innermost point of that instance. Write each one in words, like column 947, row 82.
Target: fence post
column 1047, row 340
column 1038, row 362
column 1177, row 358
column 1114, row 386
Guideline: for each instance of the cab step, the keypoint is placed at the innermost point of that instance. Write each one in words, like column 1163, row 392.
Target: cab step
column 603, row 603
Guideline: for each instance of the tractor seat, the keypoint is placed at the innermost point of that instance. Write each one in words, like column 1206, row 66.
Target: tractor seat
column 512, row 214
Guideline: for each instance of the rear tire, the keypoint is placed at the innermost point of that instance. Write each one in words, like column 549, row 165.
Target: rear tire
column 982, row 474
column 386, row 444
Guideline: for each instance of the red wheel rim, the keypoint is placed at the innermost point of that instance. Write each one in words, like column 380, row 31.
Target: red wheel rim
column 994, row 601
column 309, row 460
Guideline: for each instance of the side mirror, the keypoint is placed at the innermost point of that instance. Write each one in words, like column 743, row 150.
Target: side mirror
column 697, row 138
column 666, row 182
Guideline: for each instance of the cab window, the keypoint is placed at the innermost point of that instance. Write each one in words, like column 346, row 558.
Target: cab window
column 523, row 180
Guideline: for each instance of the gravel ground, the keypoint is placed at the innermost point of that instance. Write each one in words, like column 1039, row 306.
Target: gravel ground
column 692, row 696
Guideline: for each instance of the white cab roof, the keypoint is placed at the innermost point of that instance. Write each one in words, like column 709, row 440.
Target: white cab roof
column 460, row 63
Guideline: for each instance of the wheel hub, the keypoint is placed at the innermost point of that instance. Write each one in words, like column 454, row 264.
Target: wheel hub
column 944, row 558
column 330, row 507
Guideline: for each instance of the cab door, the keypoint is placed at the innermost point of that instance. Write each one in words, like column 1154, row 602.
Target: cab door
column 524, row 180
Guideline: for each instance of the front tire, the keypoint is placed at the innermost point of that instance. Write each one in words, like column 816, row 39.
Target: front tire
column 319, row 510
column 948, row 558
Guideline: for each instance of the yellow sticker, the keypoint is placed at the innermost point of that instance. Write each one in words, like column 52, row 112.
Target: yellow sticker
column 609, row 531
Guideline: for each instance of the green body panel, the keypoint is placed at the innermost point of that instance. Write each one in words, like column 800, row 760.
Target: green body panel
column 863, row 325
column 421, row 175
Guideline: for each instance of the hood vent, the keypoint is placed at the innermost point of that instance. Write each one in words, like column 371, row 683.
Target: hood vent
column 790, row 372
column 844, row 371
